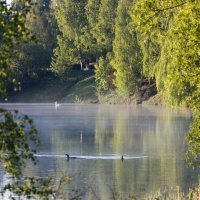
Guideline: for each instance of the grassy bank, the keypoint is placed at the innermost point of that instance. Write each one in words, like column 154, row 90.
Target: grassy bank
column 79, row 86
column 84, row 91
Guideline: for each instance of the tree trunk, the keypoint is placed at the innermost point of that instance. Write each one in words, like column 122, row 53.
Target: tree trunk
column 81, row 65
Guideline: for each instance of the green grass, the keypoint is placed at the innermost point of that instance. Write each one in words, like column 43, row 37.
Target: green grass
column 83, row 91
column 79, row 86
column 157, row 99
column 114, row 98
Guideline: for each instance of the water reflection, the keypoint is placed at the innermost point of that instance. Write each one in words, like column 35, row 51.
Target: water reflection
column 154, row 134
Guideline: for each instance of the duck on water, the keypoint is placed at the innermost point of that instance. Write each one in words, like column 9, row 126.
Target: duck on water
column 122, row 158
column 70, row 157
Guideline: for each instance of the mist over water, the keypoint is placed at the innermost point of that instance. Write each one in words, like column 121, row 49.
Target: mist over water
column 150, row 138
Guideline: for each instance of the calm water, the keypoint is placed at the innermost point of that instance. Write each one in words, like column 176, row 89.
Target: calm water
column 150, row 138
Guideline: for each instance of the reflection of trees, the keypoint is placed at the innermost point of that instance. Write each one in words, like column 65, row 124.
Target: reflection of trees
column 157, row 133
column 103, row 129
column 193, row 139
column 124, row 142
column 165, row 146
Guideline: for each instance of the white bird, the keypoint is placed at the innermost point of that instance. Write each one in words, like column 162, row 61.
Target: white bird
column 57, row 105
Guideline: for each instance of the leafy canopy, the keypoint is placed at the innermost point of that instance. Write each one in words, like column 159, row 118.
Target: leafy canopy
column 169, row 30
column 169, row 36
column 12, row 32
column 18, row 135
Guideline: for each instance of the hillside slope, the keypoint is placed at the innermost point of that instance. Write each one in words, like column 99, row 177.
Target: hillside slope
column 79, row 88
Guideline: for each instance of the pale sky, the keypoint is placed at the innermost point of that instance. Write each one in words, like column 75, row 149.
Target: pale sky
column 8, row 1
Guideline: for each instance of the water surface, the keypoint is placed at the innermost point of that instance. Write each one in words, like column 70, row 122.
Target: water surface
column 150, row 138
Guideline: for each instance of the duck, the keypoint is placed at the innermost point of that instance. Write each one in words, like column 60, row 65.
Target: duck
column 68, row 157
column 122, row 158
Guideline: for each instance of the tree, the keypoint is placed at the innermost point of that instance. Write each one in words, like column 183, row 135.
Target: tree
column 92, row 12
column 36, row 57
column 65, row 55
column 86, row 32
column 171, row 28
column 127, row 60
column 103, row 75
column 18, row 134
column 72, row 23
column 32, row 58
column 18, row 142
column 12, row 32
column 104, row 30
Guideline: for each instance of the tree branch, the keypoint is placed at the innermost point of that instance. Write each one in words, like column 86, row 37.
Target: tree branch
column 170, row 8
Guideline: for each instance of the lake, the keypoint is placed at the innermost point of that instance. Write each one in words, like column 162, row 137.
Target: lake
column 151, row 139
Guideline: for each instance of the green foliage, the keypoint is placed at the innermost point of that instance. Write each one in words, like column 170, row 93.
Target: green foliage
column 74, row 43
column 193, row 139
column 40, row 22
column 160, row 41
column 33, row 57
column 105, row 27
column 30, row 60
column 31, row 188
column 92, row 11
column 64, row 56
column 103, row 75
column 127, row 54
column 171, row 29
column 12, row 32
column 16, row 132
column 86, row 32
column 18, row 145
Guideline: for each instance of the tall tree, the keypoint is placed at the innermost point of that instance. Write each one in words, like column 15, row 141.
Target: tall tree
column 171, row 29
column 18, row 134
column 105, row 29
column 92, row 12
column 72, row 23
column 12, row 32
column 41, row 23
column 32, row 59
column 127, row 60
column 36, row 56
column 103, row 75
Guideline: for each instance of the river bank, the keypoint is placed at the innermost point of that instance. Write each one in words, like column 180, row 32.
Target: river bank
column 79, row 87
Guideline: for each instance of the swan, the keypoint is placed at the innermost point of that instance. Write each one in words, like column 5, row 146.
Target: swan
column 57, row 104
